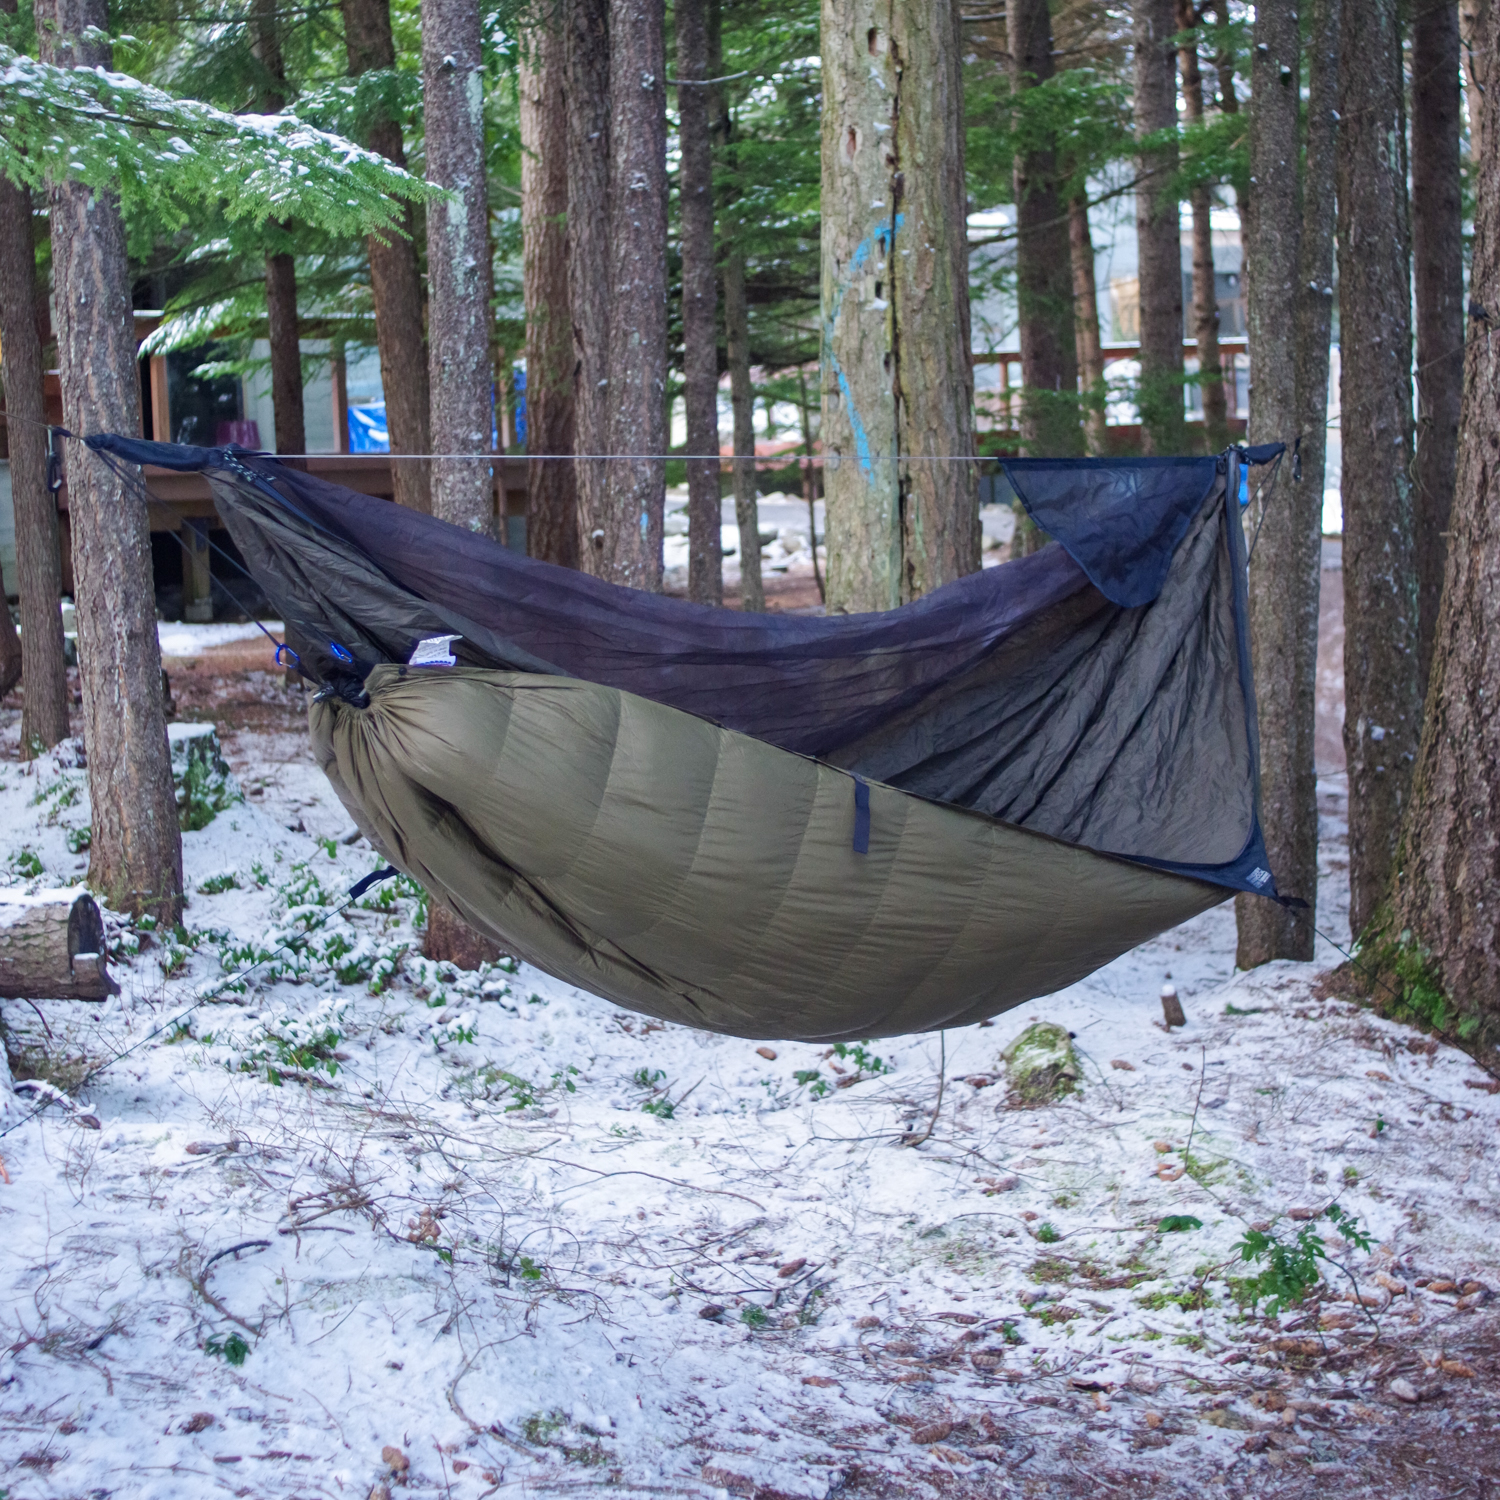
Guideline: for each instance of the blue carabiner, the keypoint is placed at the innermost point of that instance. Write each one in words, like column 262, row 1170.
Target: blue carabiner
column 341, row 653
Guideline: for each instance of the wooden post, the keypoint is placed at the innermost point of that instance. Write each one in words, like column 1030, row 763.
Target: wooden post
column 197, row 578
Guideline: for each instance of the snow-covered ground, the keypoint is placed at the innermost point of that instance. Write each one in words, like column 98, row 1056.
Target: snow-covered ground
column 363, row 1225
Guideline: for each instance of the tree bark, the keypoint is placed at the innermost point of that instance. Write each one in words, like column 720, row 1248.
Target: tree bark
column 10, row 644
column 1284, row 568
column 1442, row 907
column 1086, row 335
column 1158, row 235
column 286, row 353
column 902, row 516
column 588, row 257
column 449, row 939
column 742, row 404
column 1315, row 262
column 700, row 335
column 458, row 266
column 635, row 491
column 44, row 708
column 136, row 853
column 1438, row 269
column 741, row 388
column 281, row 266
column 1044, row 271
column 552, row 488
column 52, row 947
column 1479, row 67
column 395, row 281
column 1205, row 285
column 1382, row 701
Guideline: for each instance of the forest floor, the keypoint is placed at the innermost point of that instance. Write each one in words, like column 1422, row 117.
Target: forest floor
column 374, row 1227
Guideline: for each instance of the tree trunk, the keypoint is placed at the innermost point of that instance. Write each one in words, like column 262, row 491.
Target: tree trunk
column 286, row 353
column 552, row 498
column 1382, row 701
column 1284, row 568
column 635, row 491
column 1157, row 233
column 136, row 853
column 10, row 645
column 1438, row 266
column 741, row 388
column 902, row 516
column 1473, row 18
column 1086, row 316
column 52, row 947
column 1443, row 897
column 700, row 334
column 810, row 480
column 1315, row 274
column 458, row 266
column 395, row 281
column 1205, row 287
column 588, row 257
column 281, row 266
column 44, row 709
column 450, row 940
column 1044, row 273
column 742, row 404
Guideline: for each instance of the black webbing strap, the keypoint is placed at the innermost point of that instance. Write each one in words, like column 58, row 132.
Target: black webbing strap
column 861, row 816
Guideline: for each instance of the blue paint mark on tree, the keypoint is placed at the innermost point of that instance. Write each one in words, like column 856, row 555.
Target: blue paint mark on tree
column 884, row 235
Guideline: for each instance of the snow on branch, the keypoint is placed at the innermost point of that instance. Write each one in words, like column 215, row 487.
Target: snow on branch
column 168, row 156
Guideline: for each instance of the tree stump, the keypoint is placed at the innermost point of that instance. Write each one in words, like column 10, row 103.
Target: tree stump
column 52, row 947
column 451, row 940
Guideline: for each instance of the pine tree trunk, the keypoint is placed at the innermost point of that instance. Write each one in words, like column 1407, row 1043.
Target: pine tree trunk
column 1284, row 568
column 286, row 354
column 281, row 267
column 10, row 645
column 1044, row 271
column 44, row 709
column 903, row 517
column 1157, row 233
column 458, row 265
column 552, row 498
column 1479, row 67
column 635, row 490
column 1205, row 286
column 1448, row 870
column 395, row 281
column 1315, row 261
column 1438, row 267
column 742, row 404
column 1382, row 701
column 136, row 855
column 589, row 258
column 700, row 335
column 1086, row 314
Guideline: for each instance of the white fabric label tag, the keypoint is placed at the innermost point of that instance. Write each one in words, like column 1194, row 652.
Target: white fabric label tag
column 434, row 652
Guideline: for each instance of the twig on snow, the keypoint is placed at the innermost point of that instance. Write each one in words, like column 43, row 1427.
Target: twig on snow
column 911, row 1138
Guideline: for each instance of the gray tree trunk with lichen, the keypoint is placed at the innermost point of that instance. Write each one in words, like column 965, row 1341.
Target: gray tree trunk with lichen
column 903, row 517
column 458, row 270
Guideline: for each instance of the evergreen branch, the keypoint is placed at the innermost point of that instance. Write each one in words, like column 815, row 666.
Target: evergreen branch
column 171, row 157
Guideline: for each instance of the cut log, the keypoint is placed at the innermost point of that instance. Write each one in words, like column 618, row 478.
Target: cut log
column 52, row 947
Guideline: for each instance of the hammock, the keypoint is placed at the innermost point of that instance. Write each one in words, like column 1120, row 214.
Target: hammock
column 787, row 826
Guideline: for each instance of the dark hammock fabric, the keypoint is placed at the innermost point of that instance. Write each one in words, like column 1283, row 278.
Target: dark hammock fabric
column 1097, row 691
